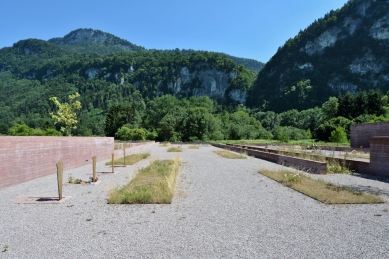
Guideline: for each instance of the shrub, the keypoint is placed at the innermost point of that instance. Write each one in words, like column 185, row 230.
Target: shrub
column 53, row 132
column 284, row 134
column 21, row 130
column 338, row 135
column 323, row 132
column 125, row 133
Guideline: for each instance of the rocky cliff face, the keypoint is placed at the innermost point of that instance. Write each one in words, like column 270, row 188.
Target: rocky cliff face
column 212, row 83
column 209, row 82
column 347, row 50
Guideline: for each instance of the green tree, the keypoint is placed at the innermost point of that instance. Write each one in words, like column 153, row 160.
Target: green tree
column 67, row 113
column 338, row 135
column 323, row 131
column 330, row 108
column 125, row 133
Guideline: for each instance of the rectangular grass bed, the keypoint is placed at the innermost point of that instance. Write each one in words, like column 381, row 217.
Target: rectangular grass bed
column 319, row 189
column 228, row 154
column 174, row 149
column 153, row 184
column 130, row 160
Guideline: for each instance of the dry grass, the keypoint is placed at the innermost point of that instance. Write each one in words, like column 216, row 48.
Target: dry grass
column 319, row 189
column 153, row 184
column 228, row 154
column 121, row 145
column 130, row 160
column 164, row 144
column 362, row 155
column 174, row 149
column 193, row 147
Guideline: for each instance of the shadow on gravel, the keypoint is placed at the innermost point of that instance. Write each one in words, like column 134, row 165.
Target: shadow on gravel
column 368, row 189
column 372, row 177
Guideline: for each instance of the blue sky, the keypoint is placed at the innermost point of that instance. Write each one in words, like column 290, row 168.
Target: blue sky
column 246, row 28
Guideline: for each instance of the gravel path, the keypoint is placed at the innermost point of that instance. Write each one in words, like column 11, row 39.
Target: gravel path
column 222, row 208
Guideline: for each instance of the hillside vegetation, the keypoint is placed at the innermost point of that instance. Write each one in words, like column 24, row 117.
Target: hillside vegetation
column 346, row 50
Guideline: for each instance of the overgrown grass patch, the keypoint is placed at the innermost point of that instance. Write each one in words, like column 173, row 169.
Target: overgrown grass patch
column 164, row 144
column 153, row 184
column 174, row 149
column 320, row 190
column 228, row 154
column 193, row 147
column 130, row 159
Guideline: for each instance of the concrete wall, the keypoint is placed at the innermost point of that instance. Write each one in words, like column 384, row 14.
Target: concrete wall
column 298, row 163
column 379, row 156
column 25, row 158
column 360, row 134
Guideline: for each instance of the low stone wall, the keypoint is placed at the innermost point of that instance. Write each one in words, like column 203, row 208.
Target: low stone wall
column 24, row 158
column 360, row 134
column 303, row 164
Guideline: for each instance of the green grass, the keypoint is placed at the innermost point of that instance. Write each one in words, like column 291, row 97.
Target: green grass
column 174, row 149
column 228, row 154
column 320, row 190
column 152, row 185
column 164, row 144
column 130, row 160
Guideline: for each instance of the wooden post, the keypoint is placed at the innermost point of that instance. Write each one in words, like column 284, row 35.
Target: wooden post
column 113, row 163
column 124, row 158
column 59, row 179
column 94, row 169
column 360, row 149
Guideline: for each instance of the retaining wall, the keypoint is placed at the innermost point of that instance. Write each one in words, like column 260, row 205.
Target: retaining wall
column 24, row 158
column 379, row 156
column 303, row 164
column 360, row 134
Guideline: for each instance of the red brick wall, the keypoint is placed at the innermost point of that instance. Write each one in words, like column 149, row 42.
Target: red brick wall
column 360, row 134
column 379, row 156
column 26, row 158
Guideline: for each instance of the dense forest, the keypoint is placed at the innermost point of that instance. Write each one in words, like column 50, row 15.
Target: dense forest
column 168, row 118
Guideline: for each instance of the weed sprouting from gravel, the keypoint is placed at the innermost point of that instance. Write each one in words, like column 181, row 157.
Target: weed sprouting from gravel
column 291, row 178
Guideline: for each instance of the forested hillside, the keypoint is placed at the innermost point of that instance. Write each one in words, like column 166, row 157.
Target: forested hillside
column 332, row 74
column 346, row 50
column 34, row 70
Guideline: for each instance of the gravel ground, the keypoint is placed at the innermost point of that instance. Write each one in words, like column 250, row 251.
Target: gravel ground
column 221, row 208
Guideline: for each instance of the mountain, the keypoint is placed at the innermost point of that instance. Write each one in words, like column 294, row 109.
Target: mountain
column 33, row 70
column 346, row 50
column 89, row 41
column 96, row 41
column 251, row 64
